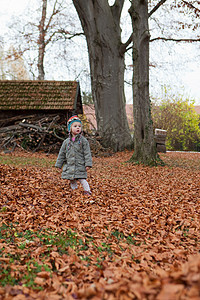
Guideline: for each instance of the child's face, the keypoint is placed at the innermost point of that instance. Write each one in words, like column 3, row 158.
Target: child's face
column 76, row 128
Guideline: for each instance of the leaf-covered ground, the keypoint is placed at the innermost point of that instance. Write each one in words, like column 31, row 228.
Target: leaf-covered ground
column 136, row 237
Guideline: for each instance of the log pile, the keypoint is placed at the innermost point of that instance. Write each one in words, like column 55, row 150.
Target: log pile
column 33, row 133
column 41, row 133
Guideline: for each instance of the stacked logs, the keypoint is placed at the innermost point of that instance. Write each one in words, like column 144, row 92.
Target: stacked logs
column 32, row 133
column 44, row 133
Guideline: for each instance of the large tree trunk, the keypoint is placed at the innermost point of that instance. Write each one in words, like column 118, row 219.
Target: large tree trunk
column 41, row 41
column 144, row 144
column 101, row 25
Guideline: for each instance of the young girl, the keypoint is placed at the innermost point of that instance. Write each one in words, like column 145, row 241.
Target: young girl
column 75, row 156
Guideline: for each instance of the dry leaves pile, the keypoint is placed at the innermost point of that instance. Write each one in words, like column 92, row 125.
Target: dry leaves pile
column 136, row 237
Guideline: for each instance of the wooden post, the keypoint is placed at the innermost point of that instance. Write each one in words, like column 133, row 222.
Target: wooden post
column 160, row 138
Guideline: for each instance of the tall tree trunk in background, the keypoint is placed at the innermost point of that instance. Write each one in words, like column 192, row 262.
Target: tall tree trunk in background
column 101, row 25
column 41, row 41
column 144, row 144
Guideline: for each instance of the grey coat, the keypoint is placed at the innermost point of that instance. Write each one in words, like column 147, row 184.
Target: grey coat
column 74, row 157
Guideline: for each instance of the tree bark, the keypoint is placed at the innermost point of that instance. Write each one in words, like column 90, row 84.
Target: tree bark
column 101, row 25
column 144, row 144
column 41, row 41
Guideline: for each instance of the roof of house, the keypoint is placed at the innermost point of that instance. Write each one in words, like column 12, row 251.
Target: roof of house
column 39, row 94
column 89, row 111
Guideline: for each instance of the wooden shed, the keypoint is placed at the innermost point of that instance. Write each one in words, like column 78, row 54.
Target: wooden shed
column 43, row 97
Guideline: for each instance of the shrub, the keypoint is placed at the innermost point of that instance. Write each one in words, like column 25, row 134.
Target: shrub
column 181, row 121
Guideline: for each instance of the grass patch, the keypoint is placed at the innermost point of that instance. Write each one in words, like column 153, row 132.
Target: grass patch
column 19, row 265
column 21, row 161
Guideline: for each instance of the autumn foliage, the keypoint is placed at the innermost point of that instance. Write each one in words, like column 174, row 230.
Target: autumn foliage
column 136, row 237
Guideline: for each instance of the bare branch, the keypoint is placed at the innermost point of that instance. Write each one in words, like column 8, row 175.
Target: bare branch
column 50, row 38
column 67, row 35
column 156, row 7
column 75, row 34
column 175, row 40
column 191, row 6
column 54, row 12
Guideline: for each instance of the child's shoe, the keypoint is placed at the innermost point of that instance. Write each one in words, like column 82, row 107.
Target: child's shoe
column 87, row 193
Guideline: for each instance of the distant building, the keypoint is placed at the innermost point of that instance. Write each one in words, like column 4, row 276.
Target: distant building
column 89, row 112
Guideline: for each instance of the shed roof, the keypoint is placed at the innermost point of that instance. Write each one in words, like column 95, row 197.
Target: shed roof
column 39, row 94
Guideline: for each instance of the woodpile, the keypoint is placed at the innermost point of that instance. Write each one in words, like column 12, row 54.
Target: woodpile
column 33, row 133
column 41, row 133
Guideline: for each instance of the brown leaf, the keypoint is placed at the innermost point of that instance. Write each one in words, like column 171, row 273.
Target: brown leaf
column 139, row 239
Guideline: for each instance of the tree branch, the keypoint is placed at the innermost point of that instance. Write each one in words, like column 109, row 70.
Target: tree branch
column 156, row 7
column 123, row 47
column 175, row 40
column 54, row 12
column 75, row 34
column 191, row 6
column 64, row 33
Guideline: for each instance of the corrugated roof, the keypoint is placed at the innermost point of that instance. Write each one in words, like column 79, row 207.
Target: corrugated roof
column 36, row 94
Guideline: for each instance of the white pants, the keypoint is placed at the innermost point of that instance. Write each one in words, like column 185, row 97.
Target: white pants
column 83, row 182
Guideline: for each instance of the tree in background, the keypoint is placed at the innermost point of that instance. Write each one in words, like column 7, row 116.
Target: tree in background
column 179, row 118
column 12, row 65
column 2, row 67
column 50, row 31
column 36, row 37
column 16, row 65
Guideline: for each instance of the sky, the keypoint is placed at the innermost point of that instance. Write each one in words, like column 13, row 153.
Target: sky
column 192, row 81
column 9, row 9
column 181, row 72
